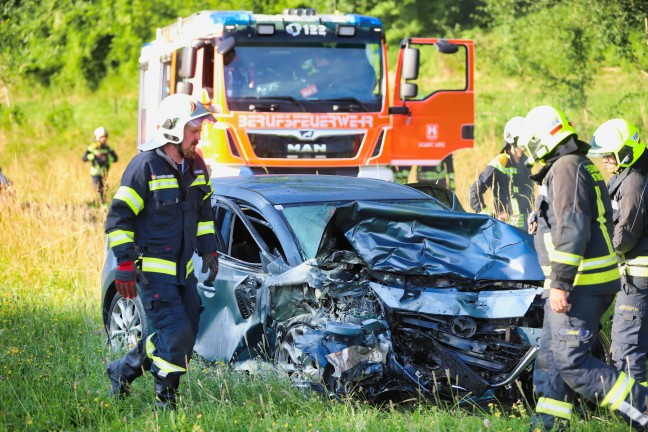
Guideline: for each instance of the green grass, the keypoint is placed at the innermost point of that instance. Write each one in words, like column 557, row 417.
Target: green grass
column 52, row 343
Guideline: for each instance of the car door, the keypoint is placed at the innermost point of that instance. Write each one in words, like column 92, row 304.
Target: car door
column 228, row 331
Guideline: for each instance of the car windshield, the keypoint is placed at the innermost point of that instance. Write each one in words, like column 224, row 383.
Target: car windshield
column 306, row 73
column 309, row 220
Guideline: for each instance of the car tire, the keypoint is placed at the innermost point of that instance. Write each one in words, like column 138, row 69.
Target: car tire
column 126, row 323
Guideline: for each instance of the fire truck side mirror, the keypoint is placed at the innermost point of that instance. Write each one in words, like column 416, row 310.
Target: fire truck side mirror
column 409, row 90
column 226, row 45
column 446, row 47
column 410, row 64
column 187, row 63
column 184, row 87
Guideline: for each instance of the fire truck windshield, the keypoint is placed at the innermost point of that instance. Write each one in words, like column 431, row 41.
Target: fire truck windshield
column 305, row 77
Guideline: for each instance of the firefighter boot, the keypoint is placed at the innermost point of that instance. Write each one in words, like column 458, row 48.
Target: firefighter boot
column 165, row 392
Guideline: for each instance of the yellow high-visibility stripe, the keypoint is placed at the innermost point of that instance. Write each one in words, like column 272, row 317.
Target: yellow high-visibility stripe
column 597, row 278
column 190, row 268
column 157, row 265
column 601, row 220
column 163, row 183
column 565, row 258
column 120, row 237
column 619, row 391
column 639, row 261
column 636, row 271
column 554, row 407
column 200, row 180
column 205, row 228
column 163, row 365
column 131, row 198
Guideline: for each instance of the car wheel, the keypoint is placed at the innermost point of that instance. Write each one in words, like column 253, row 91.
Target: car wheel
column 293, row 361
column 127, row 323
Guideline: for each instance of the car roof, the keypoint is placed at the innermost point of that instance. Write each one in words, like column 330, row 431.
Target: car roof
column 305, row 188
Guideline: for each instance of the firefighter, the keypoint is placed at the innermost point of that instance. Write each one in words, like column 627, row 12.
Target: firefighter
column 617, row 142
column 573, row 241
column 442, row 174
column 159, row 216
column 509, row 178
column 101, row 157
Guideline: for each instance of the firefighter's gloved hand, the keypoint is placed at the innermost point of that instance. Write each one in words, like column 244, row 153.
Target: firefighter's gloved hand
column 125, row 280
column 532, row 223
column 210, row 262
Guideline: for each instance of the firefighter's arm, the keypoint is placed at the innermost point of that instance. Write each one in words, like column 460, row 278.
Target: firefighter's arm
column 206, row 236
column 477, row 190
column 570, row 190
column 88, row 156
column 126, row 205
column 632, row 215
column 113, row 156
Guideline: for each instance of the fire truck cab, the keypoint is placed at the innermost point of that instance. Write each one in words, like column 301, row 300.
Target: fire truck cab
column 302, row 92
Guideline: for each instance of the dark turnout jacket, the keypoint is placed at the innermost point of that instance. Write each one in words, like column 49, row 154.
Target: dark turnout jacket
column 629, row 192
column 574, row 210
column 161, row 215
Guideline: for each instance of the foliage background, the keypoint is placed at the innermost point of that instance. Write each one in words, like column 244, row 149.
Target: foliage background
column 68, row 66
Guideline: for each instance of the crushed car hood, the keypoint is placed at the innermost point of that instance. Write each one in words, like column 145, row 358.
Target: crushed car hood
column 414, row 241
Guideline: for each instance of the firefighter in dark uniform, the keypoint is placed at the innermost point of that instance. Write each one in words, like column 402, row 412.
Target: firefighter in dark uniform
column 101, row 158
column 442, row 174
column 574, row 245
column 617, row 142
column 159, row 216
column 509, row 179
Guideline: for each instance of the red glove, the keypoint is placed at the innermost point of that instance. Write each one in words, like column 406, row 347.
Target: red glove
column 125, row 280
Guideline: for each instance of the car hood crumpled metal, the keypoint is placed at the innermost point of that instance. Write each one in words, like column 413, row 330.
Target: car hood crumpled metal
column 414, row 241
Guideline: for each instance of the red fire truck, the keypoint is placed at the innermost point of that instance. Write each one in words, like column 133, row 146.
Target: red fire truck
column 302, row 92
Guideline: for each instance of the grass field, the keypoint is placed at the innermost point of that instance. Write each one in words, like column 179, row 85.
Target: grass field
column 52, row 343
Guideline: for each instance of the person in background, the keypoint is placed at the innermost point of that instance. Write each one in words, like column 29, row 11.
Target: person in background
column 160, row 216
column 573, row 242
column 442, row 174
column 509, row 179
column 101, row 158
column 617, row 142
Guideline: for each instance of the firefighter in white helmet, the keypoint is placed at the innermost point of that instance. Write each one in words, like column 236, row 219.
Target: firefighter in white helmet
column 159, row 217
column 573, row 241
column 509, row 179
column 101, row 158
column 617, row 142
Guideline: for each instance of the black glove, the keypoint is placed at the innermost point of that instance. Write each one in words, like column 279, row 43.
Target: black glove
column 210, row 262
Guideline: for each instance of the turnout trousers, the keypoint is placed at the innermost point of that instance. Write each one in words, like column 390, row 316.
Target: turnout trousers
column 629, row 345
column 565, row 367
column 173, row 313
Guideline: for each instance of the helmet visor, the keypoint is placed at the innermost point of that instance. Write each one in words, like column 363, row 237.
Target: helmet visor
column 598, row 149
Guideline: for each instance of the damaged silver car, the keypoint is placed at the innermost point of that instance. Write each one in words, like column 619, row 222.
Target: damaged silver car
column 352, row 285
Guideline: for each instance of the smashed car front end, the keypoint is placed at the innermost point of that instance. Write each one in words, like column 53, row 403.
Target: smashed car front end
column 399, row 302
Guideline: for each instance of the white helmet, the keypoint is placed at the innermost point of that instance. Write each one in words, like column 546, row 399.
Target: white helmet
column 174, row 113
column 543, row 130
column 99, row 132
column 512, row 130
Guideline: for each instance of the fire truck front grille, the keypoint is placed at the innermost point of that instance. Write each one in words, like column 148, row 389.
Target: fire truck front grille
column 289, row 147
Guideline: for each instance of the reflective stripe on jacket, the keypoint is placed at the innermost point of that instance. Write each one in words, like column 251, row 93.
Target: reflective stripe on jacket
column 92, row 155
column 573, row 239
column 162, row 216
